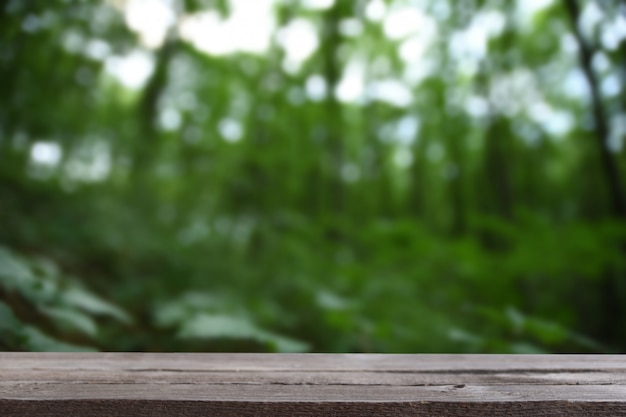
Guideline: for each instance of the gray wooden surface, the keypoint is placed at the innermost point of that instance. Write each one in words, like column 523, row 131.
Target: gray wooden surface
column 170, row 384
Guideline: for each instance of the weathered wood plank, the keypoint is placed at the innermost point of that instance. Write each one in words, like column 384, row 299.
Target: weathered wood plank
column 319, row 378
column 124, row 384
column 308, row 362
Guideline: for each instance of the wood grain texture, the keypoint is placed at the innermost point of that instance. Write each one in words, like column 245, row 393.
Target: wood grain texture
column 169, row 384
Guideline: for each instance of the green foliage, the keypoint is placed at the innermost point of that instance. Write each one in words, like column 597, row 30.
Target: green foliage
column 509, row 331
column 438, row 183
column 203, row 317
column 35, row 289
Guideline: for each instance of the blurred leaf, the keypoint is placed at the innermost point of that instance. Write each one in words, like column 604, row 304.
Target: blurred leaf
column 547, row 332
column 37, row 341
column 330, row 301
column 8, row 322
column 526, row 348
column 89, row 302
column 72, row 319
column 212, row 326
column 14, row 272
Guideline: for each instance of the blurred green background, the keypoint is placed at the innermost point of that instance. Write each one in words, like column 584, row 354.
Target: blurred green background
column 315, row 175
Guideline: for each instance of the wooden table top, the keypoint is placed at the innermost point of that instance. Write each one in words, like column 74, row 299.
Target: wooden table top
column 227, row 384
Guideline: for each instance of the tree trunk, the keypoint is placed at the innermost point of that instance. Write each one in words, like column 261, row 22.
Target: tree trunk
column 609, row 162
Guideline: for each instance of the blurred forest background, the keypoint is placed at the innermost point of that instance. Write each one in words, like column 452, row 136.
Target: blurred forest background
column 315, row 175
